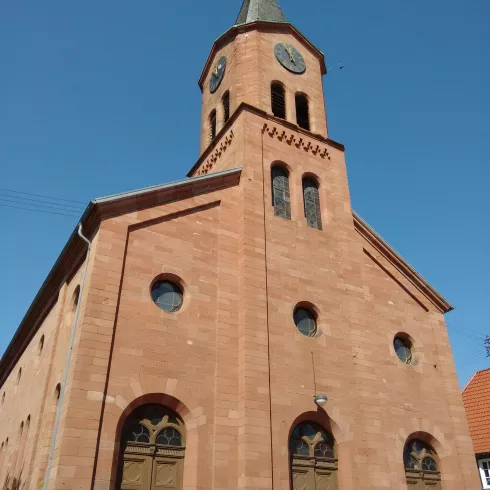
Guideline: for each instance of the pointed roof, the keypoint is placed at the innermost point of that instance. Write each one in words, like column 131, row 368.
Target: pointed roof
column 260, row 11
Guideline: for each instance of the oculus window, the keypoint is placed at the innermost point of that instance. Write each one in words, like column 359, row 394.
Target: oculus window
column 167, row 295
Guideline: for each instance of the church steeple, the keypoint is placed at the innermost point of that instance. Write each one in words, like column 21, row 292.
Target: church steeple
column 260, row 11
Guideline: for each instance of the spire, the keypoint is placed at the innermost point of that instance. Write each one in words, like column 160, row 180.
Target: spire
column 260, row 10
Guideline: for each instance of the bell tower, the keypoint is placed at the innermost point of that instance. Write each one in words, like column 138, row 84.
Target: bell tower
column 265, row 62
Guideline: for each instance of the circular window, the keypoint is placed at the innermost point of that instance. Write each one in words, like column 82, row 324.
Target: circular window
column 305, row 321
column 403, row 350
column 167, row 295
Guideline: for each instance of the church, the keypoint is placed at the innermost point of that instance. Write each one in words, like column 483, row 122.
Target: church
column 242, row 328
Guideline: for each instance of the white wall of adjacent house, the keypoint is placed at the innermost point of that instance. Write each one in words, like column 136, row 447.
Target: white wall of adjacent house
column 484, row 465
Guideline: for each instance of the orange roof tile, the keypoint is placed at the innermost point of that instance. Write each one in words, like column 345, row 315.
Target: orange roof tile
column 476, row 398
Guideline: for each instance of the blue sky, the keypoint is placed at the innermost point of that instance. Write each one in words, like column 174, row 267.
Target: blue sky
column 99, row 97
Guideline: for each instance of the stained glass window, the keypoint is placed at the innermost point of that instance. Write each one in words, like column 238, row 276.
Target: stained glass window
column 312, row 204
column 419, row 457
column 305, row 321
column 167, row 295
column 280, row 193
column 309, row 439
column 169, row 437
column 403, row 350
column 137, row 433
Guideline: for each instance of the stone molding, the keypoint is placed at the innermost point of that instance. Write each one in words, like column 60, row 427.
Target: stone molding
column 208, row 165
column 300, row 142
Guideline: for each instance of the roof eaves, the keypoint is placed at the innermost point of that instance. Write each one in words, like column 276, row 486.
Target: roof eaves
column 170, row 185
column 404, row 267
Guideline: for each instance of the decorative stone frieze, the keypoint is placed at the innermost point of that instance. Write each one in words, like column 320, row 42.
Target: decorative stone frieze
column 210, row 162
column 293, row 140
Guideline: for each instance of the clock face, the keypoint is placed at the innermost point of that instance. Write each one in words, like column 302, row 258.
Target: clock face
column 217, row 74
column 290, row 58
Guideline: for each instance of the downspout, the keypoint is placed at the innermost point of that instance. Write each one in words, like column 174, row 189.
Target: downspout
column 67, row 364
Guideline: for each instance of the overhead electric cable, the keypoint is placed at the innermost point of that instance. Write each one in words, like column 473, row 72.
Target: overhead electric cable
column 40, row 211
column 20, row 200
column 48, row 205
column 39, row 195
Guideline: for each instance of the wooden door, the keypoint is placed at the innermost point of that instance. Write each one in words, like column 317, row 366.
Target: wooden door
column 152, row 450
column 325, row 479
column 136, row 472
column 166, row 474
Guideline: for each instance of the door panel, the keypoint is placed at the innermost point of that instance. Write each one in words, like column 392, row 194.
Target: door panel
column 326, row 480
column 302, row 479
column 136, row 473
column 165, row 474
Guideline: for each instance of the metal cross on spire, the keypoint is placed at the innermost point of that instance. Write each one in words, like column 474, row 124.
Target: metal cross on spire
column 260, row 10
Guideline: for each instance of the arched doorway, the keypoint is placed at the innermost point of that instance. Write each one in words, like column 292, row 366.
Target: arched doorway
column 152, row 450
column 314, row 462
column 421, row 466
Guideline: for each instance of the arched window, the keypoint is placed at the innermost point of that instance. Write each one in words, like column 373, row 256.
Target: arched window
column 152, row 450
column 302, row 111
column 314, row 461
column 278, row 100
column 421, row 467
column 212, row 125
column 280, row 193
column 311, row 199
column 226, row 106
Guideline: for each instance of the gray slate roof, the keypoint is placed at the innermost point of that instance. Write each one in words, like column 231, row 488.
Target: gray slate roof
column 260, row 10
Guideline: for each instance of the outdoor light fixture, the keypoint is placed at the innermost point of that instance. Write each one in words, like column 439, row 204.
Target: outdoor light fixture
column 321, row 399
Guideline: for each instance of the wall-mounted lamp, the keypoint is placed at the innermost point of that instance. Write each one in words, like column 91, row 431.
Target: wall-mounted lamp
column 321, row 400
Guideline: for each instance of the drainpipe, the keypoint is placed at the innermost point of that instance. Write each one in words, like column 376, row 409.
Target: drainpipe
column 67, row 364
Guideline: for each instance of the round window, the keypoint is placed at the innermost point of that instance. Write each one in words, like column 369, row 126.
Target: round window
column 403, row 350
column 305, row 321
column 167, row 295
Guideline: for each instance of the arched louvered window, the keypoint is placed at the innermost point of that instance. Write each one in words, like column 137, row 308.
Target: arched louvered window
column 152, row 450
column 278, row 100
column 314, row 462
column 212, row 125
column 421, row 467
column 311, row 197
column 226, row 106
column 302, row 111
column 280, row 193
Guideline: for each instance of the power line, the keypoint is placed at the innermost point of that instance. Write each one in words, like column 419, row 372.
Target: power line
column 48, row 206
column 39, row 195
column 40, row 211
column 38, row 202
column 474, row 333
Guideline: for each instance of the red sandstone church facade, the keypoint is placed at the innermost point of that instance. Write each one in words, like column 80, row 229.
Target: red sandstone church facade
column 187, row 344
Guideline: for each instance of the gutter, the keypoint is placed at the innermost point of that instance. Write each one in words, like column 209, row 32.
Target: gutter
column 68, row 359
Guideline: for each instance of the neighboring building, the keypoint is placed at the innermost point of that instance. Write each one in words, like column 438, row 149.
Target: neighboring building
column 476, row 398
column 213, row 310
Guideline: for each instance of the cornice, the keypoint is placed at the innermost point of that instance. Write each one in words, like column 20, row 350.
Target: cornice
column 401, row 265
column 258, row 25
